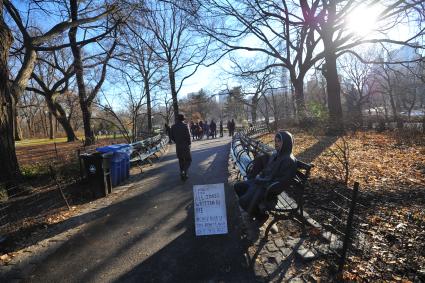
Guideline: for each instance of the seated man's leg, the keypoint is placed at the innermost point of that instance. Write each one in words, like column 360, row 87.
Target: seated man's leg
column 257, row 197
column 249, row 201
column 241, row 188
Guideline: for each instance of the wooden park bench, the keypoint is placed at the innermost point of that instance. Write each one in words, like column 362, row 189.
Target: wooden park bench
column 287, row 202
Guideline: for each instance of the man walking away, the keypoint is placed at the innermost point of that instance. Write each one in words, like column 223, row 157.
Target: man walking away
column 207, row 129
column 167, row 130
column 213, row 129
column 221, row 128
column 180, row 135
column 232, row 127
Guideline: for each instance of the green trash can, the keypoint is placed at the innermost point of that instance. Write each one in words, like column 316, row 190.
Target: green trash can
column 96, row 172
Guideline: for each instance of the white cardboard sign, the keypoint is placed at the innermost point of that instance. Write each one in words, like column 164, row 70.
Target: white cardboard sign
column 210, row 209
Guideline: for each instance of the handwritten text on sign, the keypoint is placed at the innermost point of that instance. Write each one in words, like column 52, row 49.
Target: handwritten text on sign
column 210, row 209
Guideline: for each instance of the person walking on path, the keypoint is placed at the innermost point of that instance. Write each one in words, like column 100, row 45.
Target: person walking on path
column 201, row 130
column 207, row 129
column 221, row 128
column 213, row 129
column 167, row 130
column 232, row 127
column 180, row 135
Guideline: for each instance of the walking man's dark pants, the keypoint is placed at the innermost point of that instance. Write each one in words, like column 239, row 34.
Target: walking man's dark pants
column 181, row 136
column 184, row 164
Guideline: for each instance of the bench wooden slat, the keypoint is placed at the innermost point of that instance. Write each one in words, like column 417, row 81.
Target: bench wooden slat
column 286, row 202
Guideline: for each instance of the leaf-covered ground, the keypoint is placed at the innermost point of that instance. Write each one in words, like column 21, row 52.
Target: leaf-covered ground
column 391, row 173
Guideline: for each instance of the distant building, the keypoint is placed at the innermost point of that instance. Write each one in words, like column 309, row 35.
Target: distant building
column 405, row 53
column 222, row 96
column 190, row 95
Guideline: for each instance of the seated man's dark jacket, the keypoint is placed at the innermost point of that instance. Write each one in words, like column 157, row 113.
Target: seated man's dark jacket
column 281, row 166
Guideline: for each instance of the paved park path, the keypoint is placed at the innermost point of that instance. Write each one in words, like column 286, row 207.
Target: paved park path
column 149, row 235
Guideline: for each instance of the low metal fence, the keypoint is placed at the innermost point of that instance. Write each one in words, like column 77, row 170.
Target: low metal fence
column 28, row 205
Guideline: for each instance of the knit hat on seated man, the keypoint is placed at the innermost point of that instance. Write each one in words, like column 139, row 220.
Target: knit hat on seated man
column 180, row 117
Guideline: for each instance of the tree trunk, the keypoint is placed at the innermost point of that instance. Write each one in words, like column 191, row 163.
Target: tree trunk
column 173, row 91
column 394, row 109
column 359, row 114
column 51, row 133
column 30, row 130
column 149, row 103
column 135, row 127
column 79, row 74
column 254, row 106
column 300, row 113
column 17, row 133
column 423, row 124
column 333, row 88
column 20, row 83
column 88, row 133
column 9, row 167
column 70, row 135
column 44, row 123
column 266, row 116
column 56, row 109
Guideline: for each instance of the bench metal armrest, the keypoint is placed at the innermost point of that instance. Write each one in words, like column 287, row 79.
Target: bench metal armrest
column 305, row 166
column 273, row 186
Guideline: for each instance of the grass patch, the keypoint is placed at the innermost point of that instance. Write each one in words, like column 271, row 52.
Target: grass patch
column 33, row 142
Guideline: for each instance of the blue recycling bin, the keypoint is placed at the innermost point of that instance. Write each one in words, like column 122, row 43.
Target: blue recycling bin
column 120, row 162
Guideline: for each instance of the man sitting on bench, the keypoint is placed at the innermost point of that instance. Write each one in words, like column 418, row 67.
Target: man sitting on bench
column 281, row 167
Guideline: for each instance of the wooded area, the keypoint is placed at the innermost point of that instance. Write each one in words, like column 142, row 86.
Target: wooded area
column 104, row 67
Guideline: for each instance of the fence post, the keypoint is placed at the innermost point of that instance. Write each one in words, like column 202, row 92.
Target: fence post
column 54, row 177
column 56, row 151
column 79, row 163
column 348, row 229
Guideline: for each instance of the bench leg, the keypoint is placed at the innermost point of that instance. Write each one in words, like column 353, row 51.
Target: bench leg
column 269, row 227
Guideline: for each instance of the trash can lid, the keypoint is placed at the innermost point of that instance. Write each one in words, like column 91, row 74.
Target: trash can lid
column 112, row 148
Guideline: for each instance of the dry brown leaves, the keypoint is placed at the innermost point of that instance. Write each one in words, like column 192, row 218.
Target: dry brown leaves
column 392, row 189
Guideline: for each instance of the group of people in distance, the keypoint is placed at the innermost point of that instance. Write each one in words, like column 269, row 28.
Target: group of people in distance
column 198, row 130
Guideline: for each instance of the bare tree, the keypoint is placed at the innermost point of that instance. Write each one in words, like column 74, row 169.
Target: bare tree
column 181, row 50
column 388, row 77
column 133, row 98
column 31, row 44
column 300, row 34
column 359, row 85
column 277, row 29
column 52, row 75
column 143, row 60
column 164, row 105
column 9, row 165
column 28, row 106
column 330, row 18
column 255, row 84
column 87, row 96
